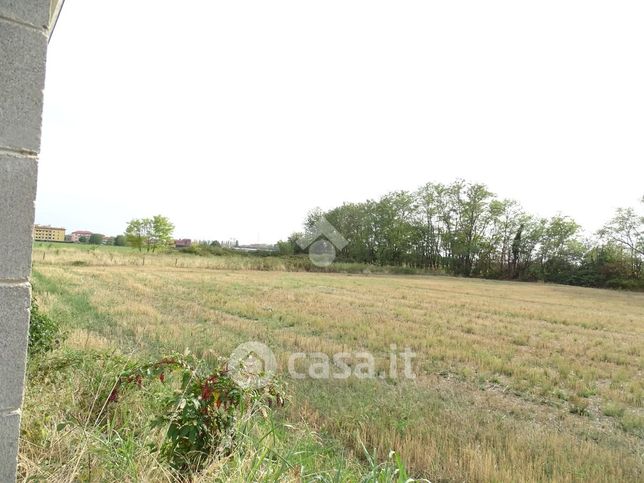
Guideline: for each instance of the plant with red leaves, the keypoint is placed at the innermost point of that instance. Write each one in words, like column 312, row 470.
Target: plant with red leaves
column 200, row 412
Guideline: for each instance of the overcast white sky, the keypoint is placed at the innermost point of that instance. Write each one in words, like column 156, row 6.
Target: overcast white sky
column 236, row 118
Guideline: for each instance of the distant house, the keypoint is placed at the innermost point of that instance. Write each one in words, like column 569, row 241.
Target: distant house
column 77, row 235
column 48, row 233
column 183, row 243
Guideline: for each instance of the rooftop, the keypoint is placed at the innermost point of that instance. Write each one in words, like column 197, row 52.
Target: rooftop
column 47, row 227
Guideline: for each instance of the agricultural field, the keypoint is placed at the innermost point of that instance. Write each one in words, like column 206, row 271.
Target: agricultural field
column 513, row 381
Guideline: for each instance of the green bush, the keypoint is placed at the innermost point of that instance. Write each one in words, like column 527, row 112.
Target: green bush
column 199, row 411
column 625, row 284
column 44, row 332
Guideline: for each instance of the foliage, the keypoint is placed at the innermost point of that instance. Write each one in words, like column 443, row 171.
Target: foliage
column 120, row 241
column 95, row 239
column 290, row 246
column 149, row 233
column 70, row 434
column 461, row 228
column 44, row 332
column 208, row 248
column 626, row 230
column 199, row 414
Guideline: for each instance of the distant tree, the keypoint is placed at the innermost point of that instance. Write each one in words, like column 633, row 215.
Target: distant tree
column 626, row 229
column 605, row 265
column 82, row 239
column 284, row 248
column 462, row 228
column 151, row 233
column 474, row 219
column 120, row 241
column 559, row 249
column 95, row 239
column 136, row 234
column 516, row 251
column 161, row 229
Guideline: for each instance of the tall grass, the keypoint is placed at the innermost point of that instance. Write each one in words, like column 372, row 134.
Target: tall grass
column 71, row 432
column 76, row 255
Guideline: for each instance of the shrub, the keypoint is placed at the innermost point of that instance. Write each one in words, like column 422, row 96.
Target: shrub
column 200, row 412
column 44, row 332
column 625, row 284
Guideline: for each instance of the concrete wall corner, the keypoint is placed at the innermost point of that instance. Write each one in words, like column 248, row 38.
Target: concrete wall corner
column 23, row 49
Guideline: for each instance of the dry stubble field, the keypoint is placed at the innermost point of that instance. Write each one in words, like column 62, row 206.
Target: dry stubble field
column 515, row 382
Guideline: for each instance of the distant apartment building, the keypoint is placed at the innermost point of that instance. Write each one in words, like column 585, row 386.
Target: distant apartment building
column 77, row 235
column 183, row 243
column 49, row 233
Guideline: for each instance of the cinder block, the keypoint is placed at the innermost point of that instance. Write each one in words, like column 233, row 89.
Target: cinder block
column 9, row 433
column 17, row 195
column 22, row 78
column 32, row 12
column 15, row 301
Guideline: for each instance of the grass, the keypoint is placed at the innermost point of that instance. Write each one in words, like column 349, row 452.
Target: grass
column 72, row 435
column 83, row 255
column 515, row 382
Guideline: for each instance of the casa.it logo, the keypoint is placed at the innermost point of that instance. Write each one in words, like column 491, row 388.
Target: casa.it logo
column 252, row 365
column 322, row 242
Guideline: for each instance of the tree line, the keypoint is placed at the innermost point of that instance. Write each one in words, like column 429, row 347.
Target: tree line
column 100, row 239
column 462, row 228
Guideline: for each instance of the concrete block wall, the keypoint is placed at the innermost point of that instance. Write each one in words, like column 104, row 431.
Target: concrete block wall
column 23, row 48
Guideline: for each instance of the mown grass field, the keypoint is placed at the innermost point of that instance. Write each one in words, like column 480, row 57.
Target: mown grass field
column 515, row 382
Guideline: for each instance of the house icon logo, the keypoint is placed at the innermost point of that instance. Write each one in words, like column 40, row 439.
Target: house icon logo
column 252, row 365
column 322, row 242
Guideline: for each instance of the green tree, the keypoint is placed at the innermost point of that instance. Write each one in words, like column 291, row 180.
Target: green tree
column 462, row 228
column 626, row 229
column 160, row 235
column 284, row 248
column 475, row 218
column 428, row 224
column 149, row 233
column 559, row 249
column 95, row 239
column 136, row 233
column 395, row 234
column 120, row 241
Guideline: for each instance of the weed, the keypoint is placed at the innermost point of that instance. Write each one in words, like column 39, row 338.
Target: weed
column 614, row 410
column 578, row 406
column 198, row 416
column 44, row 333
